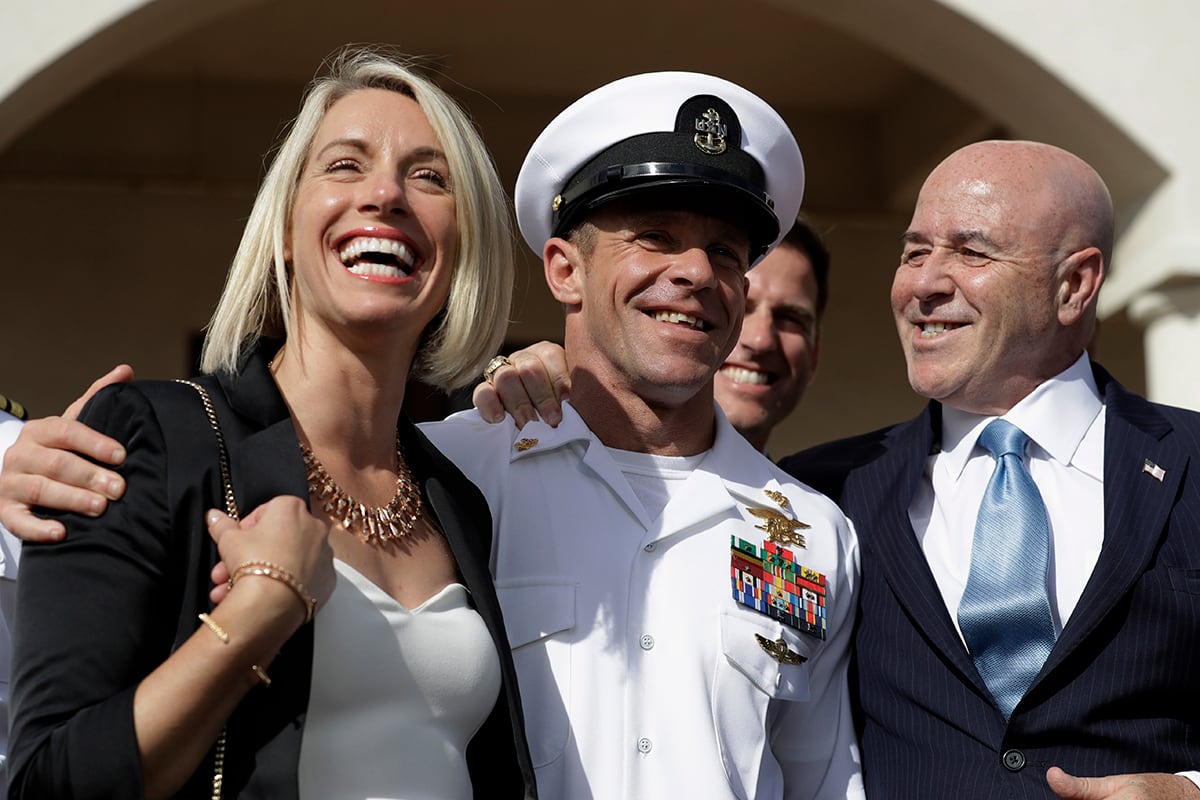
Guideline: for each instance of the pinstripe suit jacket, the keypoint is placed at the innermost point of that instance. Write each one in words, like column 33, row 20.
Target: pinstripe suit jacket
column 1120, row 691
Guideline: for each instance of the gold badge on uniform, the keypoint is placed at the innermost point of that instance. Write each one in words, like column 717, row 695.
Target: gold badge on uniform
column 525, row 444
column 780, row 529
column 778, row 497
column 710, row 133
column 779, row 650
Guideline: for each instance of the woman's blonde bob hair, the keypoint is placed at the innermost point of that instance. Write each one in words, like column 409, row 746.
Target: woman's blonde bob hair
column 256, row 300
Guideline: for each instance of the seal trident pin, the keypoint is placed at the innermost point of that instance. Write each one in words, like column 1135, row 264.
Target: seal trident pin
column 780, row 529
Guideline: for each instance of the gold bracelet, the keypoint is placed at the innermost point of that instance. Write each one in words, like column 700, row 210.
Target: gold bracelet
column 261, row 674
column 269, row 569
column 212, row 625
column 223, row 635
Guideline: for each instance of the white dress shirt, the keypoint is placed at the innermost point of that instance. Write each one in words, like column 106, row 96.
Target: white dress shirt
column 1065, row 423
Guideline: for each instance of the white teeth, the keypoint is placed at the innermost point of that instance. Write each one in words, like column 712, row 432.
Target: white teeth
column 359, row 246
column 931, row 329
column 743, row 375
column 676, row 317
column 376, row 270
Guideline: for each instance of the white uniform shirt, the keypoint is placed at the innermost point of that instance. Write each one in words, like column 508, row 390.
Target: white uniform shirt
column 641, row 676
column 10, row 552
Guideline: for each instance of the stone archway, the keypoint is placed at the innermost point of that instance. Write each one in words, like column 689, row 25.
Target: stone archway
column 52, row 49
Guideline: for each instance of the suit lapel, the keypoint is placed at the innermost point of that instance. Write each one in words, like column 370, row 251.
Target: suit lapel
column 1137, row 505
column 887, row 533
column 264, row 451
column 268, row 464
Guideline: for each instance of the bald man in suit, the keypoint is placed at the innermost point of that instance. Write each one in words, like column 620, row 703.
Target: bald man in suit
column 995, row 304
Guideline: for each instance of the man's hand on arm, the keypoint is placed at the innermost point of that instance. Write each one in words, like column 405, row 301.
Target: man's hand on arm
column 535, row 381
column 1142, row 786
column 46, row 466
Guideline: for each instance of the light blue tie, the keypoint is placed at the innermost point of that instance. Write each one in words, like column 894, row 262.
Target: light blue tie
column 1005, row 611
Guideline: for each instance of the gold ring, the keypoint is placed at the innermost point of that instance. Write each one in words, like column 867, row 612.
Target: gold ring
column 493, row 365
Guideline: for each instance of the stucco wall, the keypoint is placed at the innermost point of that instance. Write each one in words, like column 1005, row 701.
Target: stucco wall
column 127, row 266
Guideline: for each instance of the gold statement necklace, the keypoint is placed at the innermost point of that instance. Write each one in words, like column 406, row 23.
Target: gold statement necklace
column 377, row 525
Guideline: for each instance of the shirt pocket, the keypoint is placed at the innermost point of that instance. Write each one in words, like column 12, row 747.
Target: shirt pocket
column 538, row 615
column 743, row 651
column 746, row 681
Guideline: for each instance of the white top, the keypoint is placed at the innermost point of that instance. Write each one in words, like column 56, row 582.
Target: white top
column 396, row 695
column 640, row 673
column 10, row 552
column 1064, row 420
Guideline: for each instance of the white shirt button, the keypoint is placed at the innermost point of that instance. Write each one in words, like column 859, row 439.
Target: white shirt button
column 644, row 745
column 647, row 641
column 649, row 548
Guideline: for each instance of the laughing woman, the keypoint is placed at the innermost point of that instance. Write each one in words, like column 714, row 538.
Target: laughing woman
column 358, row 649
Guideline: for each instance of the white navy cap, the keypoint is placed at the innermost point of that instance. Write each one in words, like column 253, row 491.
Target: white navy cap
column 701, row 138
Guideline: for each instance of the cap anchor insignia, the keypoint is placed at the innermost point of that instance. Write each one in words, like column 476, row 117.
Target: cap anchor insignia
column 710, row 133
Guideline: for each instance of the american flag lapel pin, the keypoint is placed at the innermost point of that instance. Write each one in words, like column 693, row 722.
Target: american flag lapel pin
column 1155, row 471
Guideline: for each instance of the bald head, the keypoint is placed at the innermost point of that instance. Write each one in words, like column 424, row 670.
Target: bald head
column 1002, row 264
column 1067, row 202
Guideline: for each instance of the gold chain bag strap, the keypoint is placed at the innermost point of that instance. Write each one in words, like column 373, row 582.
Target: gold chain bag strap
column 232, row 511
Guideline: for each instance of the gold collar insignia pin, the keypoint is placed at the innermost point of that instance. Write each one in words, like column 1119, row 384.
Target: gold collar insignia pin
column 778, row 497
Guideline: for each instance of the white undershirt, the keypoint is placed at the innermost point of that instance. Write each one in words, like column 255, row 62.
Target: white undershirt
column 1064, row 420
column 655, row 479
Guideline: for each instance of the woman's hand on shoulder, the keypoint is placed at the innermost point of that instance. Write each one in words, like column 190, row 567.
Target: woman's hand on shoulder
column 48, row 466
column 282, row 535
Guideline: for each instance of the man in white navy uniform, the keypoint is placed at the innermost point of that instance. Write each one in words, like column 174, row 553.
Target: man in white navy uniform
column 666, row 646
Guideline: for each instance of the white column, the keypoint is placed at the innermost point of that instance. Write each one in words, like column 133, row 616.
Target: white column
column 1171, row 317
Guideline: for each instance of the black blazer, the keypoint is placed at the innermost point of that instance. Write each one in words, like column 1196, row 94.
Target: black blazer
column 103, row 608
column 1120, row 690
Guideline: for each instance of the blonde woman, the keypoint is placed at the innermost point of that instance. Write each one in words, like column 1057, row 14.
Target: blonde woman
column 378, row 246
